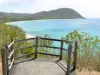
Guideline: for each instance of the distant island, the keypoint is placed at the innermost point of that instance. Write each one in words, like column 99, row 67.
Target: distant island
column 62, row 13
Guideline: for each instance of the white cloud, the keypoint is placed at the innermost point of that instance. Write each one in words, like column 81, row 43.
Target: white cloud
column 9, row 1
column 1, row 1
column 46, row 5
column 19, row 11
column 88, row 8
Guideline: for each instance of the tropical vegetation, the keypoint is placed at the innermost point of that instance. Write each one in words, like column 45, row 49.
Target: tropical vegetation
column 88, row 49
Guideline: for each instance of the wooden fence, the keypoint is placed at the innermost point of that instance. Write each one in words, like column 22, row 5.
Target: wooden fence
column 10, row 56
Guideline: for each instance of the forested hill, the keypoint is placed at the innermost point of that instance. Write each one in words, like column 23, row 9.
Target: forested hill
column 62, row 13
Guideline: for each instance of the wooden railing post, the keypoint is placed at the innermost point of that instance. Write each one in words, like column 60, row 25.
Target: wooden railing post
column 6, row 58
column 36, row 46
column 12, row 47
column 4, row 54
column 4, row 71
column 69, row 59
column 75, row 55
column 61, row 50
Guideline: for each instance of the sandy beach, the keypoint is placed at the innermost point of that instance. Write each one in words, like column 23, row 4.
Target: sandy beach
column 29, row 36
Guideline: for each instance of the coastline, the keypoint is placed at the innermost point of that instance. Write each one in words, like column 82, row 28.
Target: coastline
column 29, row 36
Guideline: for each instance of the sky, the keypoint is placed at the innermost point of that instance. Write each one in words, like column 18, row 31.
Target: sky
column 87, row 8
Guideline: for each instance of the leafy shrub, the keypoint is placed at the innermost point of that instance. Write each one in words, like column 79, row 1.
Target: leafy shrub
column 88, row 49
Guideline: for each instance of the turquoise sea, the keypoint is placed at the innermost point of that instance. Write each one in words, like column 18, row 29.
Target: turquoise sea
column 57, row 28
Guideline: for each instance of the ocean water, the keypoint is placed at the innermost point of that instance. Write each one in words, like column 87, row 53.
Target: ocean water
column 57, row 28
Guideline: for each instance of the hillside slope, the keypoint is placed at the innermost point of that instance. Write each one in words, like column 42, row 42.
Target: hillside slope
column 62, row 13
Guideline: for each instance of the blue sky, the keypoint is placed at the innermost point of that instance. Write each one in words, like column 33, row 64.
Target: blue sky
column 87, row 8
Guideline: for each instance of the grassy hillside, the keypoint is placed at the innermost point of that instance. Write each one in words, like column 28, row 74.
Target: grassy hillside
column 7, row 32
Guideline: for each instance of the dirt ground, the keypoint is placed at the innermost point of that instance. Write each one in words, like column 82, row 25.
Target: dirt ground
column 86, row 72
column 83, row 72
column 0, row 68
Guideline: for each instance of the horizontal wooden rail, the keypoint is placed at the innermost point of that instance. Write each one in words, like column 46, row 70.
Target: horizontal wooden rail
column 49, row 47
column 29, row 59
column 65, row 49
column 53, row 47
column 24, row 47
column 55, row 40
column 10, row 44
column 21, row 40
column 24, row 55
column 41, row 46
column 49, row 39
column 25, row 39
column 11, row 64
column 11, row 54
column 48, row 54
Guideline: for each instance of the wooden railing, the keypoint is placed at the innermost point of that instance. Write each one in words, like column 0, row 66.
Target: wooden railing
column 10, row 56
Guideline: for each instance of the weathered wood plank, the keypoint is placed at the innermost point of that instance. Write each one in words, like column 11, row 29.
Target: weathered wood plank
column 55, row 40
column 52, row 47
column 11, row 54
column 49, row 39
column 6, row 59
column 11, row 64
column 36, row 47
column 61, row 50
column 48, row 54
column 4, row 71
column 49, row 47
column 11, row 44
column 29, row 59
column 12, row 50
column 69, row 59
column 24, row 47
column 23, row 55
column 22, row 40
column 75, row 55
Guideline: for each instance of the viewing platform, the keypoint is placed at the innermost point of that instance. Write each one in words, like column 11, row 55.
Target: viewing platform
column 39, row 62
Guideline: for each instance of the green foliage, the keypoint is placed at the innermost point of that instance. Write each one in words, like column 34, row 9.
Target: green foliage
column 7, row 32
column 32, row 50
column 44, row 43
column 24, row 51
column 88, row 51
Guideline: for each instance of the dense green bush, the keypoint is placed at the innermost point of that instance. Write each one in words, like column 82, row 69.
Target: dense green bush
column 88, row 49
column 32, row 50
column 7, row 32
